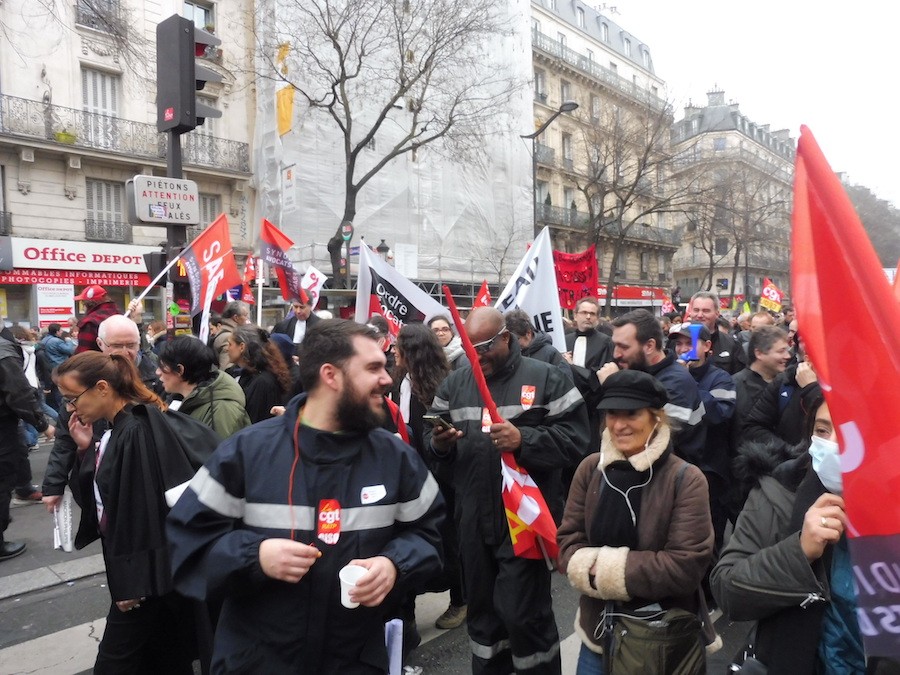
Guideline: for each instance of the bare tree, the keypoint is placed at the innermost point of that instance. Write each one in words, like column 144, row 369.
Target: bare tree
column 625, row 183
column 359, row 61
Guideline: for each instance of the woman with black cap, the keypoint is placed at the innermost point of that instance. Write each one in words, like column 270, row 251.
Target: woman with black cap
column 636, row 536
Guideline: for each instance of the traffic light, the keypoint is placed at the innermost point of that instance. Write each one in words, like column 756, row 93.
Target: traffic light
column 155, row 262
column 179, row 77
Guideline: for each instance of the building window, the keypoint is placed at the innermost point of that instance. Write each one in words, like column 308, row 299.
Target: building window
column 604, row 32
column 104, row 203
column 200, row 13
column 590, row 55
column 628, row 48
column 568, row 197
column 580, row 16
column 210, row 208
column 621, row 260
column 645, row 265
column 565, row 91
column 536, row 25
column 595, row 107
column 614, row 67
column 551, row 4
column 100, row 100
column 722, row 245
column 568, row 155
column 540, row 90
column 718, row 144
column 97, row 14
column 645, row 58
column 541, row 191
column 654, row 91
column 561, row 37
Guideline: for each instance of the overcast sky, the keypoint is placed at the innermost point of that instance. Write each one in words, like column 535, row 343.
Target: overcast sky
column 831, row 66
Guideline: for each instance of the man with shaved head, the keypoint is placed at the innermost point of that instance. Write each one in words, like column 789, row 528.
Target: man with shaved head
column 510, row 616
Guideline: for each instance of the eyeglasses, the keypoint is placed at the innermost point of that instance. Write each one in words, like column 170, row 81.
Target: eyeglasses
column 73, row 400
column 123, row 345
column 445, row 329
column 585, row 313
column 487, row 345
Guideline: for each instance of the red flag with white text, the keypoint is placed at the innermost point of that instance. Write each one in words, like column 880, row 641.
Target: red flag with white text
column 274, row 245
column 210, row 264
column 483, row 299
column 842, row 298
column 771, row 296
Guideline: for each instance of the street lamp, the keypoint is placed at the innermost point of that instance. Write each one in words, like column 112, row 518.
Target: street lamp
column 567, row 106
column 383, row 249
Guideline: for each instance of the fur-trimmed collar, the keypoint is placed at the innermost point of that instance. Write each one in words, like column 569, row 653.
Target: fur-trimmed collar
column 640, row 461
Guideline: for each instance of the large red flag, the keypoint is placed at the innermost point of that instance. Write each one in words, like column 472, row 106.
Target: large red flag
column 483, row 299
column 274, row 246
column 843, row 302
column 532, row 529
column 576, row 275
column 210, row 264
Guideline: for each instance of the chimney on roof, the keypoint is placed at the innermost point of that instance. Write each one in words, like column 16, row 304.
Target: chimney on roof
column 715, row 97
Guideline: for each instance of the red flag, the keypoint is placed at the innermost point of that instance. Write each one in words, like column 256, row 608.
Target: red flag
column 897, row 282
column 483, row 299
column 249, row 278
column 843, row 298
column 273, row 249
column 576, row 275
column 771, row 296
column 532, row 529
column 210, row 264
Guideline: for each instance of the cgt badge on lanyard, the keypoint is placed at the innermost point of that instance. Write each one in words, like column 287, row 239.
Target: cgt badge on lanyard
column 328, row 528
column 528, row 394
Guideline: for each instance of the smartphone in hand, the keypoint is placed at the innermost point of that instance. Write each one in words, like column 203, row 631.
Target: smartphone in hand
column 438, row 422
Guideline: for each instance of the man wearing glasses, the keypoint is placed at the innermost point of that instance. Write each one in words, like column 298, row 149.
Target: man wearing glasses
column 116, row 335
column 299, row 321
column 588, row 350
column 510, row 616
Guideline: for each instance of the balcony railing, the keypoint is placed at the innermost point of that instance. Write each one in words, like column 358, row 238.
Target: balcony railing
column 557, row 215
column 548, row 45
column 102, row 15
column 544, row 154
column 24, row 118
column 107, row 230
column 5, row 223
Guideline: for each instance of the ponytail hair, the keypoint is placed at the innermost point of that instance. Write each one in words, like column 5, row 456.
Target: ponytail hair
column 116, row 369
column 261, row 354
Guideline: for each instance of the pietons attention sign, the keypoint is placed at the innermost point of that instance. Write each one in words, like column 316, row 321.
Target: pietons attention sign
column 162, row 201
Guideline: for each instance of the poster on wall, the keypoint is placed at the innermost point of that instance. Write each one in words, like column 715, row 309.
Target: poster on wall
column 55, row 303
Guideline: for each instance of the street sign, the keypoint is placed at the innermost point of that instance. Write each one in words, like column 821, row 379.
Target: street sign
column 347, row 231
column 158, row 200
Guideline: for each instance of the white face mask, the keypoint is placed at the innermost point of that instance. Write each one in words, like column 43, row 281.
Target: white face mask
column 826, row 462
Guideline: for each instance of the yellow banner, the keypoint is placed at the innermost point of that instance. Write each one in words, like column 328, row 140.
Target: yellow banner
column 284, row 106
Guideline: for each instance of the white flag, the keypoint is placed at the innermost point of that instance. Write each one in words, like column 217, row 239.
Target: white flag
column 312, row 283
column 533, row 289
column 383, row 290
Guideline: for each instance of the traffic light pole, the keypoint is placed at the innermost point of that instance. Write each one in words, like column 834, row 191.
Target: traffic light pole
column 174, row 233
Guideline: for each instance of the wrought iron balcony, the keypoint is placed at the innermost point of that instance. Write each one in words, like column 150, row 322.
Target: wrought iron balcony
column 5, row 223
column 544, row 154
column 551, row 47
column 36, row 120
column 556, row 215
column 107, row 230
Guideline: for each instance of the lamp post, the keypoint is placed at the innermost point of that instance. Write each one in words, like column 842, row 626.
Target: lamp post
column 383, row 249
column 567, row 106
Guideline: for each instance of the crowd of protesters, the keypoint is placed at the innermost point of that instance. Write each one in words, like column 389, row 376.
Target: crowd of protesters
column 688, row 460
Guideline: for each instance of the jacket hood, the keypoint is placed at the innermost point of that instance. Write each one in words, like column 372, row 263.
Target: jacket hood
column 758, row 459
column 540, row 340
column 222, row 387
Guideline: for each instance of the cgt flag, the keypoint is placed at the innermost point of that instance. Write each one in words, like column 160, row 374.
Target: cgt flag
column 483, row 299
column 771, row 296
column 211, row 267
column 274, row 246
column 249, row 278
column 381, row 289
column 532, row 289
column 312, row 283
column 836, row 280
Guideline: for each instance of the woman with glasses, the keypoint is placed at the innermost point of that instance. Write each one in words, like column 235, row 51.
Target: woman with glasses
column 452, row 344
column 188, row 370
column 264, row 375
column 124, row 482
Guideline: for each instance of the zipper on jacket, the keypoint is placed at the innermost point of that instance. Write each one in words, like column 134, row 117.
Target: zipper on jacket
column 808, row 598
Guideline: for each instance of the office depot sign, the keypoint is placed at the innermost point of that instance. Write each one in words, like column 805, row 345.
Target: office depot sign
column 78, row 255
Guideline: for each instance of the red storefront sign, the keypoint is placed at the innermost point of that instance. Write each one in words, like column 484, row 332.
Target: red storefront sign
column 75, row 277
column 634, row 296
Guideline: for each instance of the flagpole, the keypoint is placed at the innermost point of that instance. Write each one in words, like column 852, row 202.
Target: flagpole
column 155, row 281
column 259, row 292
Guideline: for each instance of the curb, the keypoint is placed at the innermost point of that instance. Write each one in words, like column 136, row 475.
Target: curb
column 51, row 575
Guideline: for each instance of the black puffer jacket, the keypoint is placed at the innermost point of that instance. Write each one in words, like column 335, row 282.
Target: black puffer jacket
column 542, row 349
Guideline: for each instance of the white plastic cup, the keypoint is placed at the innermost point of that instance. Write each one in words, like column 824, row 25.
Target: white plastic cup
column 349, row 575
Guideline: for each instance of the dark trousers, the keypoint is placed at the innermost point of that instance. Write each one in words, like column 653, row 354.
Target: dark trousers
column 14, row 467
column 157, row 637
column 510, row 616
